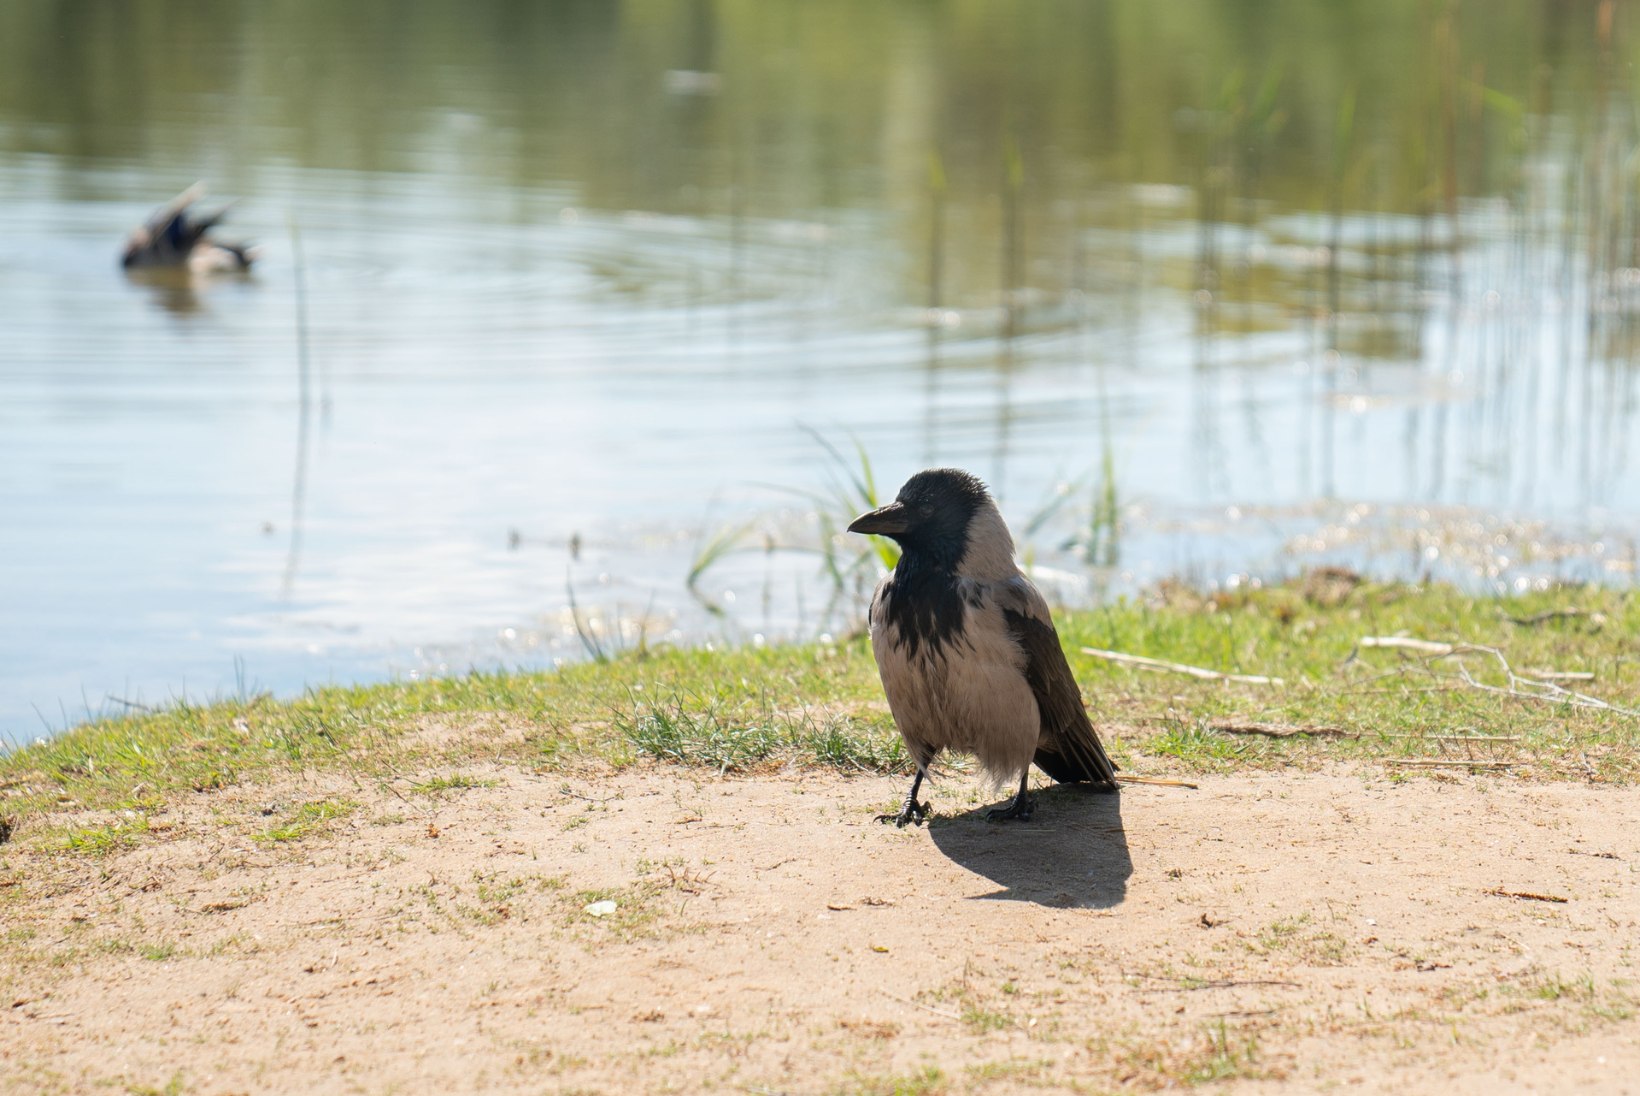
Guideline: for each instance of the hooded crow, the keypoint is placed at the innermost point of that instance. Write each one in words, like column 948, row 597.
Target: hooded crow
column 967, row 651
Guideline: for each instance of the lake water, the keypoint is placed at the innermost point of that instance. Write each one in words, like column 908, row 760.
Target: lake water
column 554, row 298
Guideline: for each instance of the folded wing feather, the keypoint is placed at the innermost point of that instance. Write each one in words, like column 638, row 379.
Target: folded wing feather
column 1068, row 749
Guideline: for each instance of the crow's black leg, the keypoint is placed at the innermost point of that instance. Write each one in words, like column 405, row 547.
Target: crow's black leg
column 911, row 810
column 1021, row 807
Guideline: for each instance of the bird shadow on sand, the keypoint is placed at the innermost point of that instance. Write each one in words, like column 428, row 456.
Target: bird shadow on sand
column 1073, row 853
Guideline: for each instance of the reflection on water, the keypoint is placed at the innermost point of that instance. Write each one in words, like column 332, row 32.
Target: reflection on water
column 1200, row 287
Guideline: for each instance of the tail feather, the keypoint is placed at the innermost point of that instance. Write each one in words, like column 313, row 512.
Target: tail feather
column 1079, row 758
column 1090, row 754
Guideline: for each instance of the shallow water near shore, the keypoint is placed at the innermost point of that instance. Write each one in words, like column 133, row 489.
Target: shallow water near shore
column 550, row 298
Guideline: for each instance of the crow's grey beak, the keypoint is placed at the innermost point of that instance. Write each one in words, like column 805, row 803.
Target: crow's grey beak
column 886, row 521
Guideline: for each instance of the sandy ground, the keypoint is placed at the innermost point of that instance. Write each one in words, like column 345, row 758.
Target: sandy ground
column 1293, row 931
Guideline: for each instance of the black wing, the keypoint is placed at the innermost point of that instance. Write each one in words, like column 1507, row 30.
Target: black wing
column 1069, row 749
column 172, row 231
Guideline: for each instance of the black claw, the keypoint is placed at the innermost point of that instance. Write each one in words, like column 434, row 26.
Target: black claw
column 1021, row 808
column 913, row 812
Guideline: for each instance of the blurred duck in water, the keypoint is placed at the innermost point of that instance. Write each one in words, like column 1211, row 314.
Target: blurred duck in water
column 174, row 238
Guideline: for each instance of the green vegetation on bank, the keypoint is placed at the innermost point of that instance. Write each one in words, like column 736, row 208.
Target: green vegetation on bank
column 1566, row 713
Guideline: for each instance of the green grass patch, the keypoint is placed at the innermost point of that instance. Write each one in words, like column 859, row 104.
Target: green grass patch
column 638, row 911
column 759, row 708
column 306, row 819
column 734, row 729
column 1366, row 701
column 153, row 952
column 1016, row 1070
column 927, row 1082
column 370, row 731
column 1222, row 1057
column 1610, row 1001
column 455, row 782
column 1218, row 1052
column 98, row 840
column 173, row 1087
column 981, row 1020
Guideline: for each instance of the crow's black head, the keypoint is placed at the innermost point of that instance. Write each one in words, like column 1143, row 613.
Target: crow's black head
column 931, row 515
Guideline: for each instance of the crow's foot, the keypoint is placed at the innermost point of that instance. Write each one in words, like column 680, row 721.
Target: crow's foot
column 913, row 812
column 1020, row 808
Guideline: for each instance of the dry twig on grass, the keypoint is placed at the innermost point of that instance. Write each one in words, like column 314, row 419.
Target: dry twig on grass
column 1144, row 663
column 1158, row 781
column 926, row 1008
column 1191, row 985
column 565, row 789
column 1279, row 730
column 223, row 906
column 1594, row 618
column 1456, row 737
column 1407, row 643
column 1448, row 763
column 1501, row 893
column 1521, row 686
